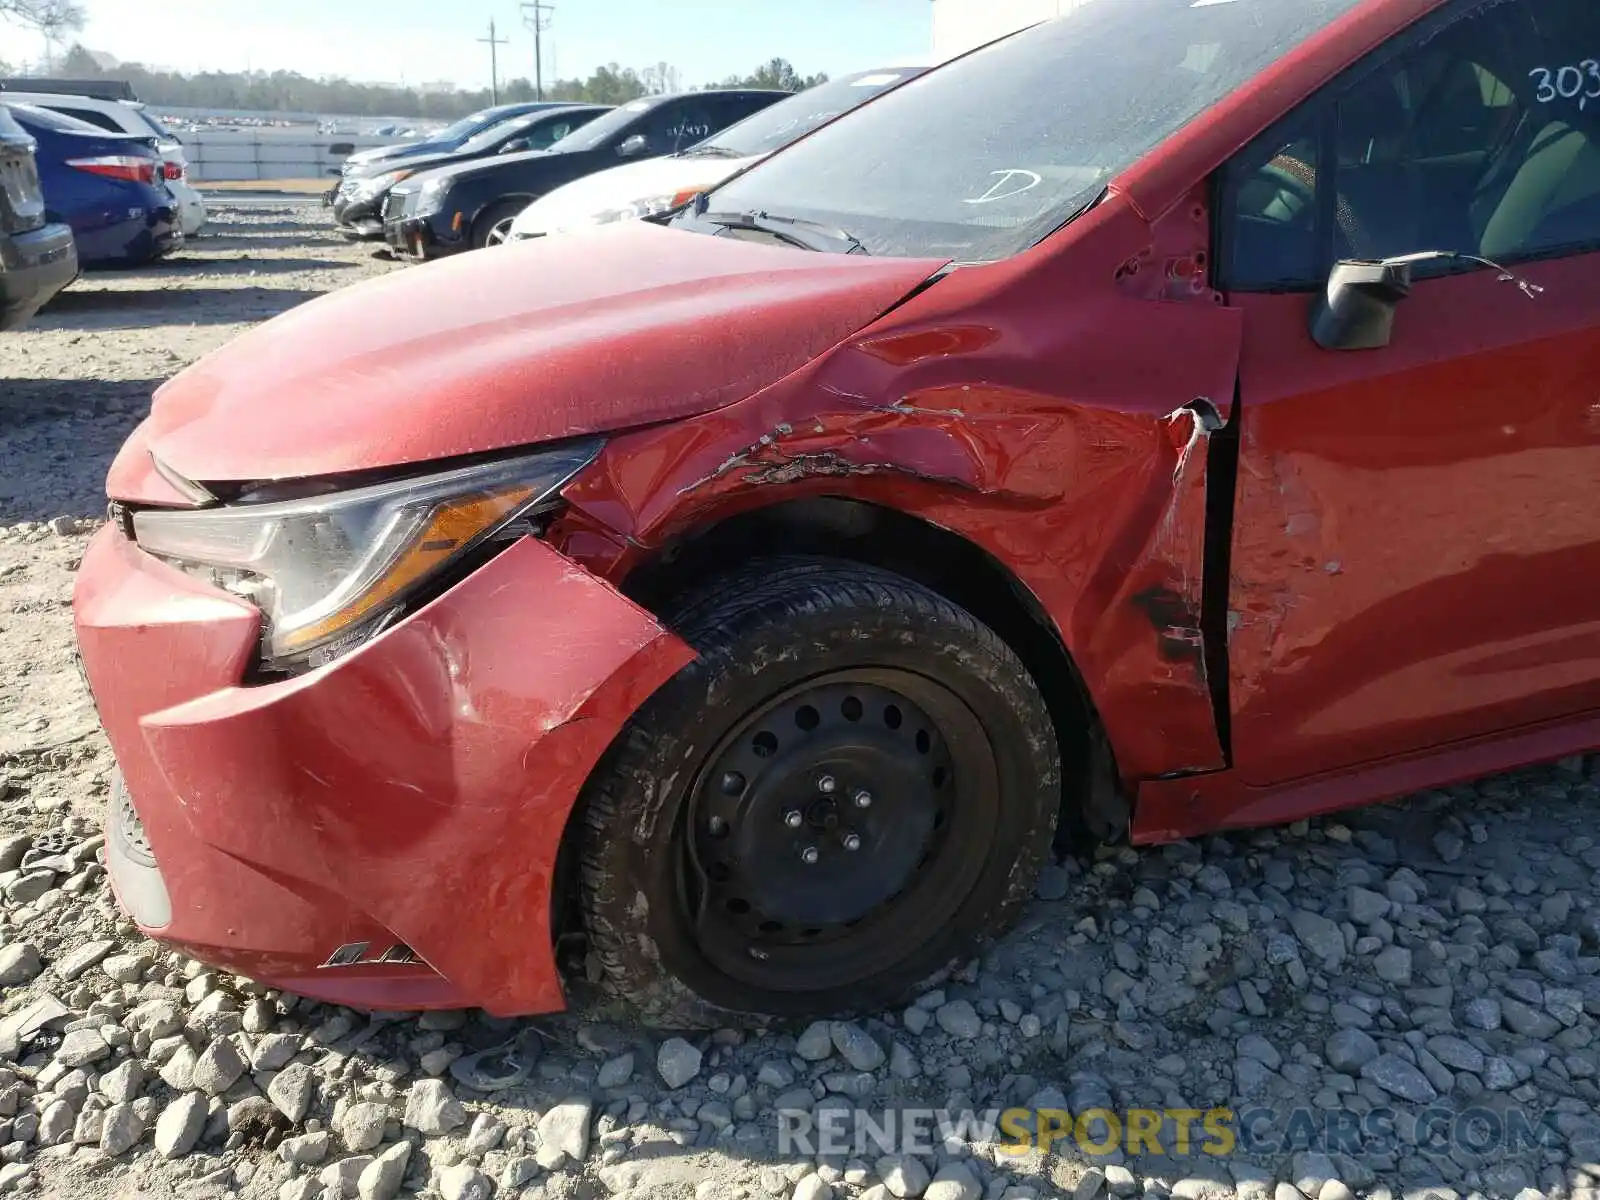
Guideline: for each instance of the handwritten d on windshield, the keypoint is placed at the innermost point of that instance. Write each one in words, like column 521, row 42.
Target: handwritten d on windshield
column 1012, row 182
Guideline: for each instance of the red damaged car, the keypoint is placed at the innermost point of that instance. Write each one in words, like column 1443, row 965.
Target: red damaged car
column 1122, row 427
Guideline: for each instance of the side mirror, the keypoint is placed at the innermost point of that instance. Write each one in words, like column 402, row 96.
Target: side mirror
column 516, row 146
column 633, row 146
column 1356, row 310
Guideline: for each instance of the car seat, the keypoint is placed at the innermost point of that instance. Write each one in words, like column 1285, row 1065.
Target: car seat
column 1553, row 198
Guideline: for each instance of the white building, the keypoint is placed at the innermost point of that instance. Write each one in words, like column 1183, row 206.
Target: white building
column 960, row 25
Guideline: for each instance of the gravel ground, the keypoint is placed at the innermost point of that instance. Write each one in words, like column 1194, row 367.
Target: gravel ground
column 1405, row 964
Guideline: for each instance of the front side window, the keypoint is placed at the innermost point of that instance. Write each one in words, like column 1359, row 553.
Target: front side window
column 1478, row 134
column 548, row 134
column 987, row 155
column 674, row 127
column 614, row 127
column 492, row 137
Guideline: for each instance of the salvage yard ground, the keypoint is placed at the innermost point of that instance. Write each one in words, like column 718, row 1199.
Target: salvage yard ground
column 1439, row 956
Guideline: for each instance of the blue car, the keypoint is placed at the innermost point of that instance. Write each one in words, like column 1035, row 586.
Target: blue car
column 106, row 186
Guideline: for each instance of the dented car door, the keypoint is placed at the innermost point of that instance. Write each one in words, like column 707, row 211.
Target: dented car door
column 1415, row 539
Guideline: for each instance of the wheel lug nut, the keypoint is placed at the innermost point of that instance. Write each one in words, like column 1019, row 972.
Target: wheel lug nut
column 809, row 856
column 852, row 841
column 863, row 799
column 826, row 784
column 732, row 783
column 718, row 826
column 793, row 818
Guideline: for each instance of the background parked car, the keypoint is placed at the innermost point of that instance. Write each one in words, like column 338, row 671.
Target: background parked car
column 643, row 188
column 100, row 87
column 37, row 256
column 107, row 186
column 129, row 116
column 449, row 138
column 358, row 202
column 471, row 205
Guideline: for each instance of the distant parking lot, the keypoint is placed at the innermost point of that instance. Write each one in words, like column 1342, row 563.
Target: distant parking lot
column 75, row 381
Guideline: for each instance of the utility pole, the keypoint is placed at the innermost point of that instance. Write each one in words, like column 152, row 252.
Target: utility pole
column 538, row 23
column 494, row 43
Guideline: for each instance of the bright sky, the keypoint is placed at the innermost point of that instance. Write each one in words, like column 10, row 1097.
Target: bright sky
column 425, row 40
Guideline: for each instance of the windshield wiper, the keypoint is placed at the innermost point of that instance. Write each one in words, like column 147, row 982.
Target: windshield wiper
column 823, row 237
column 711, row 152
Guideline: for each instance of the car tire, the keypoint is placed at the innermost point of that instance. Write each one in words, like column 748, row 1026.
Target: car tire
column 494, row 226
column 850, row 789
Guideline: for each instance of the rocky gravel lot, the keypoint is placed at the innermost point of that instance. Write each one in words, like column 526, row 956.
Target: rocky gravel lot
column 1395, row 968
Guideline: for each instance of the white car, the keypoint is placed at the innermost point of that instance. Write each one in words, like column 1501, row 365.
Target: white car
column 656, row 185
column 128, row 116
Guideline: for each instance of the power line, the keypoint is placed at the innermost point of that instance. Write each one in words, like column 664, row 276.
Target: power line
column 494, row 45
column 533, row 16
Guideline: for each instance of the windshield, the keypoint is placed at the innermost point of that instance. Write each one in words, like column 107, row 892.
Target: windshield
column 488, row 139
column 791, row 119
column 462, row 129
column 598, row 132
column 983, row 158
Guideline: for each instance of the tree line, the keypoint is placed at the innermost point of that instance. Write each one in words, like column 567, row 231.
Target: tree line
column 289, row 91
column 49, row 17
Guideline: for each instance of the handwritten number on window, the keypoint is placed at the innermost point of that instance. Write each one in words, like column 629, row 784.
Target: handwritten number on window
column 1580, row 83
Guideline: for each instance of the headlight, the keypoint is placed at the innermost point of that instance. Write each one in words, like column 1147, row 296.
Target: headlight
column 366, row 189
column 431, row 199
column 645, row 206
column 330, row 571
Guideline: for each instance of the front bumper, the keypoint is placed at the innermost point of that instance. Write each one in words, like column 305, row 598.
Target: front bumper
column 426, row 238
column 359, row 218
column 34, row 266
column 410, row 796
column 394, row 232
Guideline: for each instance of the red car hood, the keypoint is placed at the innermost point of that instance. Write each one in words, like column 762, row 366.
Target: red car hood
column 506, row 347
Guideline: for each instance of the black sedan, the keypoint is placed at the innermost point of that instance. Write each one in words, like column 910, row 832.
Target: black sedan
column 471, row 205
column 446, row 139
column 358, row 204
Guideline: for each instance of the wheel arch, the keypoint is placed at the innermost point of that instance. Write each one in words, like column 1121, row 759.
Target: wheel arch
column 961, row 571
column 489, row 208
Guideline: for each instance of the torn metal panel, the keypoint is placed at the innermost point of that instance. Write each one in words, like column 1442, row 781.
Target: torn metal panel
column 1152, row 638
column 1099, row 514
column 1062, row 436
column 991, row 441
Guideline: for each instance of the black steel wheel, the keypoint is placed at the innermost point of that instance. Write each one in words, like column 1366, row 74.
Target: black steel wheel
column 852, row 786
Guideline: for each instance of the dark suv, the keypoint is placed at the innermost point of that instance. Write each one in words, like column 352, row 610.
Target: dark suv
column 37, row 259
